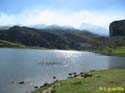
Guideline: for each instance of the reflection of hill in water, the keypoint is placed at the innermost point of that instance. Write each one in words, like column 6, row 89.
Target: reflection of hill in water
column 116, row 62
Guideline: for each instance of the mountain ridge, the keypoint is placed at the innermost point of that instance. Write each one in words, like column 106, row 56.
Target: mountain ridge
column 51, row 38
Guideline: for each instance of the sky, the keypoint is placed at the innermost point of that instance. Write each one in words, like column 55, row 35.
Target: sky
column 61, row 12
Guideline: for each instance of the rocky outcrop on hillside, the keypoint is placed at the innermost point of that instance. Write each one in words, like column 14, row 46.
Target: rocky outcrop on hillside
column 117, row 28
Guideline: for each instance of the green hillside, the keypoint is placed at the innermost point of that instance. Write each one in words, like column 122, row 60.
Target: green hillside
column 4, row 43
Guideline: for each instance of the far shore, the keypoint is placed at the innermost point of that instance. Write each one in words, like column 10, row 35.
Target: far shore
column 118, row 51
column 108, row 50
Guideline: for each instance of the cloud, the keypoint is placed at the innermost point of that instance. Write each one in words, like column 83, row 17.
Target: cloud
column 49, row 17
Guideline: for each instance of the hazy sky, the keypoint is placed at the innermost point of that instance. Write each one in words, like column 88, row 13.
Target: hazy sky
column 61, row 12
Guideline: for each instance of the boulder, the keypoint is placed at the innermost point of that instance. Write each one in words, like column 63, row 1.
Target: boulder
column 21, row 82
column 36, row 87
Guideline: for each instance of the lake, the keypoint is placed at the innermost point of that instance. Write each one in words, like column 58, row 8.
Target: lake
column 36, row 67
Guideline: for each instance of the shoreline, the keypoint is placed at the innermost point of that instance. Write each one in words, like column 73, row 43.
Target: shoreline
column 98, row 51
column 86, row 81
column 107, row 50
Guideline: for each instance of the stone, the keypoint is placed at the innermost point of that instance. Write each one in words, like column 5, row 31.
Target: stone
column 36, row 87
column 21, row 82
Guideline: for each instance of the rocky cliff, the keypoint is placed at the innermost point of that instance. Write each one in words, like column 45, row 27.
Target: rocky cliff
column 117, row 28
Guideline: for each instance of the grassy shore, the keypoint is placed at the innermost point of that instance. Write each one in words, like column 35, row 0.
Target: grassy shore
column 8, row 44
column 114, row 51
column 100, row 80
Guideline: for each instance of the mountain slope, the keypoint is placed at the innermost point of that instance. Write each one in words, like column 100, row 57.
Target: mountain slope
column 52, row 38
column 4, row 43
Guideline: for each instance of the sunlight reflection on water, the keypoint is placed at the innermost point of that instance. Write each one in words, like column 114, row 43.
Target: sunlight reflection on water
column 36, row 67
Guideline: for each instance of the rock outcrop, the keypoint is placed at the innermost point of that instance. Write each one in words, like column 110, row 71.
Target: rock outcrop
column 117, row 28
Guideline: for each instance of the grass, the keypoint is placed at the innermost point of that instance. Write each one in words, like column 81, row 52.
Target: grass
column 119, row 51
column 8, row 44
column 114, row 51
column 4, row 43
column 108, row 78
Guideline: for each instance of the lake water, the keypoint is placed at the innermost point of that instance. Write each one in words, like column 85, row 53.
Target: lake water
column 36, row 67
